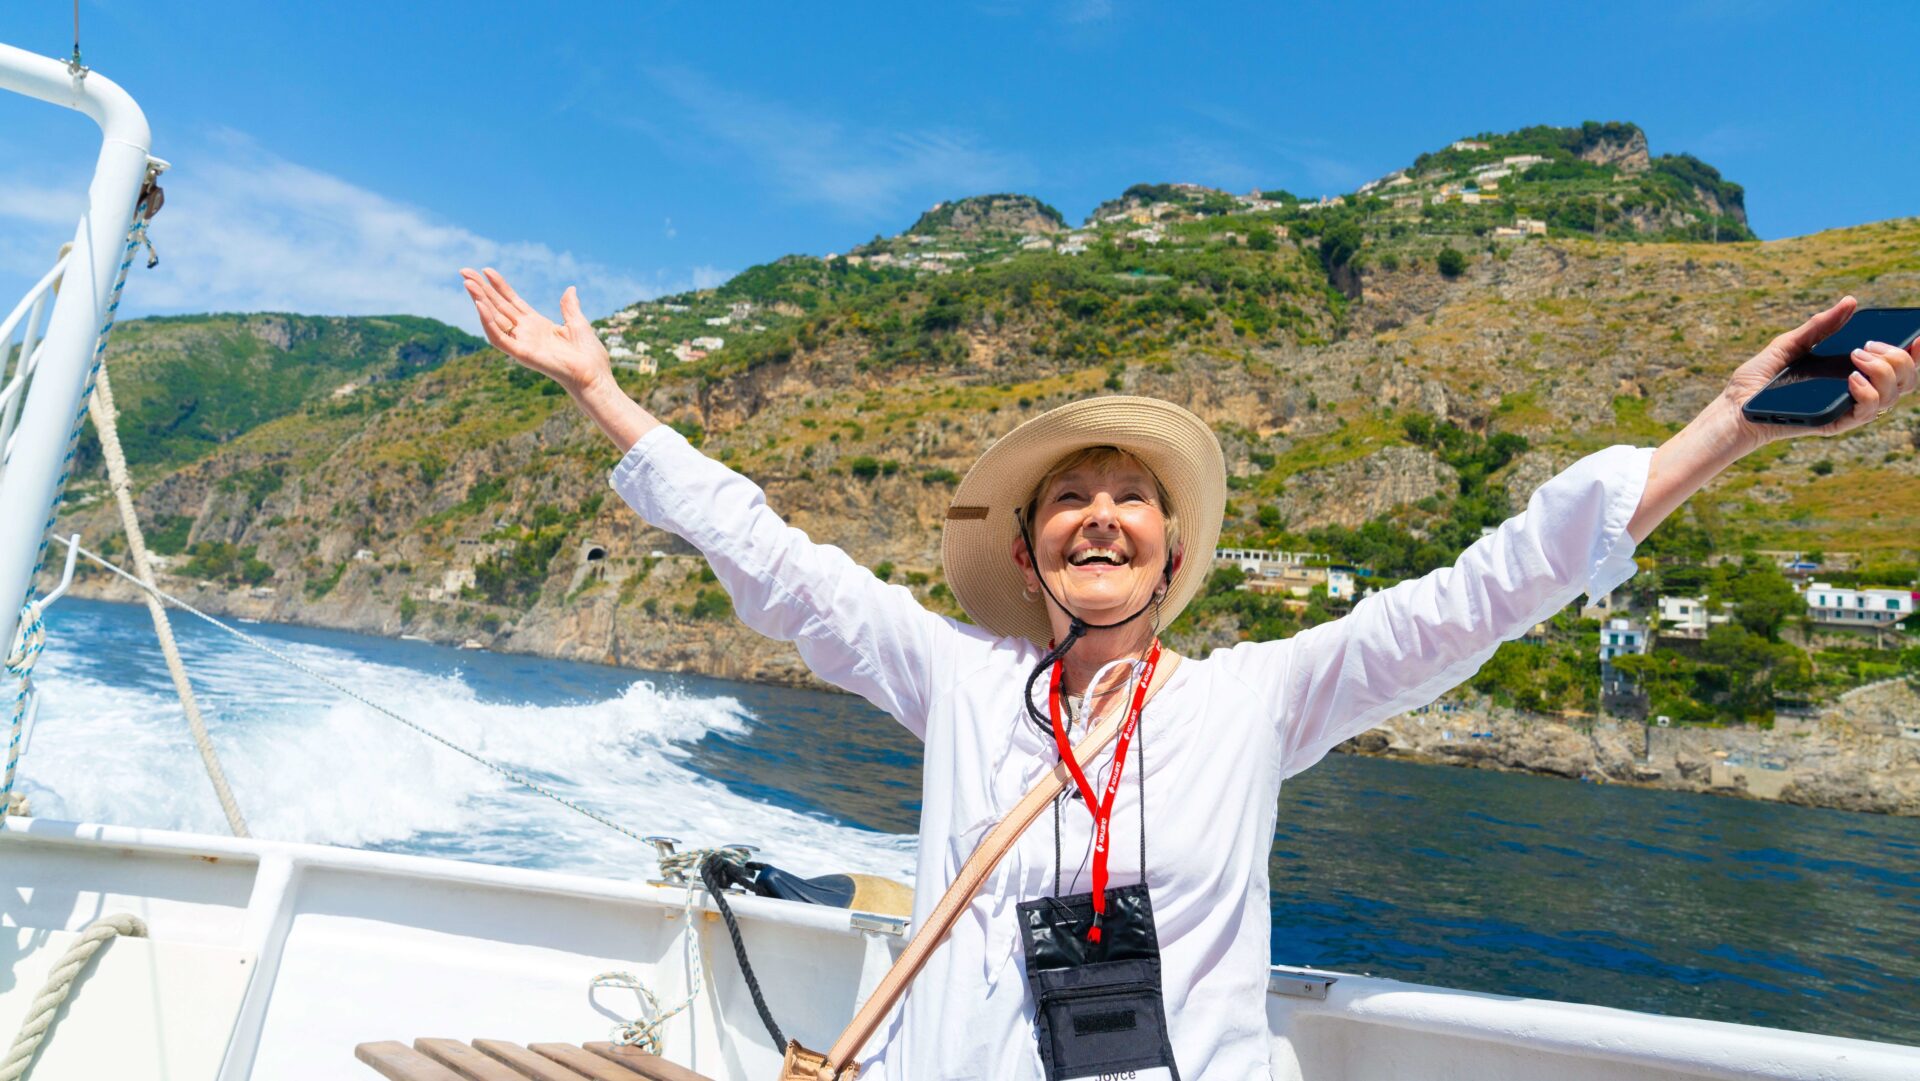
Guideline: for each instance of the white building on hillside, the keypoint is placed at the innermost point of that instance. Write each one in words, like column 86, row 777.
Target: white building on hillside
column 1339, row 585
column 1689, row 617
column 1857, row 607
column 1619, row 637
column 1262, row 560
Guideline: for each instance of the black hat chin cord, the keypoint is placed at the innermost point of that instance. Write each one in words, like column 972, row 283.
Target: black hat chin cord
column 1076, row 627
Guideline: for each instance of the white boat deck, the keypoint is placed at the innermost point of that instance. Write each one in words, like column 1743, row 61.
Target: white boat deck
column 271, row 960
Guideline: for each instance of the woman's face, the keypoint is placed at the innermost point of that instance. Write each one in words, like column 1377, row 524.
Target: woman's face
column 1100, row 541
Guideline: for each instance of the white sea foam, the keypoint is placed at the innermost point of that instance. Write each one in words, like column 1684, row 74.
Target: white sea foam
column 309, row 765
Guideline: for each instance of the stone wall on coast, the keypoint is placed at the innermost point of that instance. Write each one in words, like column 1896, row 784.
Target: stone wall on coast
column 1852, row 756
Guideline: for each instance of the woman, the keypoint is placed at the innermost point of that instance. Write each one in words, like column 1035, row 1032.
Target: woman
column 1059, row 553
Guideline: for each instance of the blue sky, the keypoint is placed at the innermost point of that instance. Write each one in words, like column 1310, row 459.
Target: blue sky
column 347, row 157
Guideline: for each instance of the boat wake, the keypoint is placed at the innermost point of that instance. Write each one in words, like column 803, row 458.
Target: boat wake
column 112, row 746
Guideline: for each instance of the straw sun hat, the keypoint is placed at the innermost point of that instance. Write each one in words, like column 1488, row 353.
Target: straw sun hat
column 977, row 545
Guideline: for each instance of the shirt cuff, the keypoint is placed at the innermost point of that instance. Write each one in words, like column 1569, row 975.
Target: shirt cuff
column 1626, row 479
column 657, row 464
column 637, row 455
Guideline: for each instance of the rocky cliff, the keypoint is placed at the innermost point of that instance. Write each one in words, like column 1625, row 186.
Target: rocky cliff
column 1843, row 758
column 981, row 215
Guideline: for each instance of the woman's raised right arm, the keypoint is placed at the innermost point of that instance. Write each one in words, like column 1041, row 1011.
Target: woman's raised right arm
column 568, row 352
column 853, row 630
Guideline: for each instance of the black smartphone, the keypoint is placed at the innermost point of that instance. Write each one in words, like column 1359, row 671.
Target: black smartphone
column 1813, row 390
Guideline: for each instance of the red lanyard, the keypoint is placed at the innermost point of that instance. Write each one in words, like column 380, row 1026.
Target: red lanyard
column 1103, row 811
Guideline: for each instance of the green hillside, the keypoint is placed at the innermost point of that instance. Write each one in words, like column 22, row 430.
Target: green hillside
column 1596, row 179
column 187, row 384
column 1386, row 380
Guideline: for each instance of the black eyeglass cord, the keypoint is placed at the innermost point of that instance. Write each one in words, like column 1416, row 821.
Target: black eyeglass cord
column 1075, row 626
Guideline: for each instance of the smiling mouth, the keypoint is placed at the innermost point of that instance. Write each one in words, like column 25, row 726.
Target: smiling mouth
column 1096, row 557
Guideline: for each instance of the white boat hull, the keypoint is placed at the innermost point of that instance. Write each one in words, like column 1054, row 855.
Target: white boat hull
column 272, row 960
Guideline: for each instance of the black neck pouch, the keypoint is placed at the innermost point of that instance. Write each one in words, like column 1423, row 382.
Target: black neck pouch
column 1098, row 1008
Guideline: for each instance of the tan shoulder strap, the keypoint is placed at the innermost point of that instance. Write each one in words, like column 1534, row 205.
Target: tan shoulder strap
column 930, row 934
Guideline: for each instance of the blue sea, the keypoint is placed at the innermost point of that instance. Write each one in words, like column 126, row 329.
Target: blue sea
column 1680, row 904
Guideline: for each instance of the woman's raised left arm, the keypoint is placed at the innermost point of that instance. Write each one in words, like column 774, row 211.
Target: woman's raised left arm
column 1721, row 435
column 1406, row 646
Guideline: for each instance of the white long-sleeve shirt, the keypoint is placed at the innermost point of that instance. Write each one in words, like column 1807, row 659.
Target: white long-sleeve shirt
column 1217, row 739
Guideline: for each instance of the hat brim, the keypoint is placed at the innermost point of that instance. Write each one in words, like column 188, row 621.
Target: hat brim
column 976, row 547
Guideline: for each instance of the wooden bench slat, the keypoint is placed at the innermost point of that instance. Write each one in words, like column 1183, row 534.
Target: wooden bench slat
column 530, row 1065
column 651, row 1067
column 398, row 1062
column 584, row 1061
column 466, row 1061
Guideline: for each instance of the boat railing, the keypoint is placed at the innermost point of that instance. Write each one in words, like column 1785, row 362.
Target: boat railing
column 47, row 371
column 20, row 341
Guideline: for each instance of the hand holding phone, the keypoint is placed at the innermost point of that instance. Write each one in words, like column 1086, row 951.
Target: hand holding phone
column 1812, row 391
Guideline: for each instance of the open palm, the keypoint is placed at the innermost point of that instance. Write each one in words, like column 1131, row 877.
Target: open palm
column 569, row 351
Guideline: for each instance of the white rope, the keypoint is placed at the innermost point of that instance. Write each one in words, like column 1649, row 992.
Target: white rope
column 256, row 643
column 39, row 1019
column 106, row 424
column 644, row 1032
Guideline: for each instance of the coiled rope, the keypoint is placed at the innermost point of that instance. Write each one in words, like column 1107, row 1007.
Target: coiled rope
column 644, row 1032
column 33, row 1030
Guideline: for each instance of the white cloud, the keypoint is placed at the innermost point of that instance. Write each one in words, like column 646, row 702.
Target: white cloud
column 245, row 230
column 35, row 219
column 862, row 173
column 42, row 205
